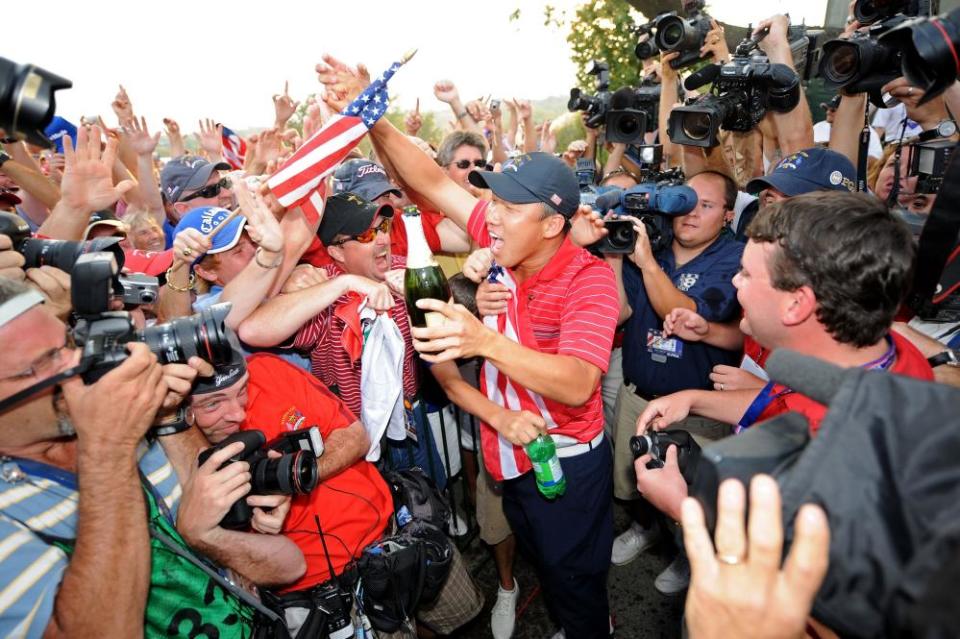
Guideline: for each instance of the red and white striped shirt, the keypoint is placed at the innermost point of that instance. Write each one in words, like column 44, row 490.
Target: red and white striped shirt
column 330, row 363
column 571, row 307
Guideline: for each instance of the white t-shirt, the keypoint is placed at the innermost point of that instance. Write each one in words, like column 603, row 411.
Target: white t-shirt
column 891, row 120
column 821, row 135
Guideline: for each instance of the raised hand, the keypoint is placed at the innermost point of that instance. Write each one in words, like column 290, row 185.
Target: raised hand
column 210, row 138
column 262, row 226
column 715, row 45
column 446, row 91
column 269, row 149
column 139, row 138
column 342, row 83
column 524, row 110
column 174, row 137
column 284, row 107
column 122, row 107
column 313, row 120
column 413, row 121
column 87, row 183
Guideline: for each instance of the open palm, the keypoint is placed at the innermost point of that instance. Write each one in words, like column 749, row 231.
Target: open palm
column 88, row 175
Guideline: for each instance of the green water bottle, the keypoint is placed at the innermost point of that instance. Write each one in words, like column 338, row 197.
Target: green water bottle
column 546, row 466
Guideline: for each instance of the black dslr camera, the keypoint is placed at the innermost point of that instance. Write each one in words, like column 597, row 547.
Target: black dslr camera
column 632, row 113
column 103, row 334
column 928, row 50
column 656, row 444
column 27, row 102
column 293, row 473
column 866, row 61
column 743, row 90
column 686, row 35
column 595, row 106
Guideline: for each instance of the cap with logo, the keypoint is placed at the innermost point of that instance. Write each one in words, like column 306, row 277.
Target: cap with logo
column 365, row 178
column 533, row 177
column 224, row 375
column 349, row 214
column 186, row 173
column 207, row 218
column 814, row 169
column 105, row 218
column 57, row 129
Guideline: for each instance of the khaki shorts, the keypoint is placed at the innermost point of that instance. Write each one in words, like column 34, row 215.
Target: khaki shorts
column 493, row 524
column 629, row 407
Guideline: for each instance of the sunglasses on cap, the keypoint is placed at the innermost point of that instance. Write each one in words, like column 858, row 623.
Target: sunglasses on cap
column 466, row 164
column 367, row 236
column 212, row 190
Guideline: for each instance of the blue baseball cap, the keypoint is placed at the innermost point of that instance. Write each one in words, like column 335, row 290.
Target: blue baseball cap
column 814, row 169
column 205, row 219
column 364, row 178
column 533, row 177
column 58, row 128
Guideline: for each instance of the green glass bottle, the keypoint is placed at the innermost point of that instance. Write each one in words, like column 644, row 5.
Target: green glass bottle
column 423, row 278
column 546, row 466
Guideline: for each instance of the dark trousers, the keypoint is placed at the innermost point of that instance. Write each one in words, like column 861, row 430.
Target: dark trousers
column 569, row 540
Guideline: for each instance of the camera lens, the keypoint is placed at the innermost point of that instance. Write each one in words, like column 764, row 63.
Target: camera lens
column 204, row 334
column 866, row 12
column 696, row 125
column 63, row 254
column 842, row 63
column 929, row 52
column 640, row 445
column 628, row 125
column 27, row 100
column 291, row 474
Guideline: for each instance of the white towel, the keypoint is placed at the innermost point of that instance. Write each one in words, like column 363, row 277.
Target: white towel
column 381, row 383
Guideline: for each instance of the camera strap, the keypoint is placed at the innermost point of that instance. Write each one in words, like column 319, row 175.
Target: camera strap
column 938, row 238
column 30, row 391
column 862, row 151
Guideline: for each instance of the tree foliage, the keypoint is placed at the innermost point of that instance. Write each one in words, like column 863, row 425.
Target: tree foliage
column 602, row 30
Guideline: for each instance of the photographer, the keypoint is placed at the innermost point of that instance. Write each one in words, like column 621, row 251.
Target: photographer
column 352, row 501
column 77, row 450
column 693, row 272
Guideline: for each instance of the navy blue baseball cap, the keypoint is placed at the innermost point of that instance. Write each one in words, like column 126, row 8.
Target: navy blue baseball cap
column 186, row 173
column 364, row 178
column 533, row 177
column 814, row 169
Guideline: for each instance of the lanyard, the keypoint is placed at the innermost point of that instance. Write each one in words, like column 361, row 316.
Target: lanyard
column 767, row 396
column 46, row 471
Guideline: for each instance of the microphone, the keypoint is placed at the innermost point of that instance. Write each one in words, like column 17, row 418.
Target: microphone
column 697, row 79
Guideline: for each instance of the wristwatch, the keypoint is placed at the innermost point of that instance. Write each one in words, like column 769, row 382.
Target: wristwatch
column 948, row 357
column 945, row 129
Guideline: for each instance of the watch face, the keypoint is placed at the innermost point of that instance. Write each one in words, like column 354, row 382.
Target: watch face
column 947, row 128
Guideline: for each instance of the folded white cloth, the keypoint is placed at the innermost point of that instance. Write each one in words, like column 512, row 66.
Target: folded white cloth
column 381, row 383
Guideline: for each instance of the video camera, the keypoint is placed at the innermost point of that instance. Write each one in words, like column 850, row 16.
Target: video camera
column 684, row 35
column 595, row 106
column 869, row 59
column 647, row 48
column 743, row 90
column 293, row 473
column 633, row 112
column 653, row 203
column 27, row 102
column 928, row 162
column 656, row 444
column 102, row 334
column 928, row 51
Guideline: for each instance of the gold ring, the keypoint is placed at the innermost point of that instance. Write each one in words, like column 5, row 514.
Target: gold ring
column 721, row 386
column 730, row 560
column 187, row 251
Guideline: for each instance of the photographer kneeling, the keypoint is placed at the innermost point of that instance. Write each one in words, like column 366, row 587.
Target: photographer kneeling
column 351, row 506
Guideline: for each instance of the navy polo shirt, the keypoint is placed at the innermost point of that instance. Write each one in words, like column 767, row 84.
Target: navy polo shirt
column 708, row 280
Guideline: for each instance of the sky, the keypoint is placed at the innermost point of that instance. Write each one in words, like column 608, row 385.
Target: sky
column 199, row 59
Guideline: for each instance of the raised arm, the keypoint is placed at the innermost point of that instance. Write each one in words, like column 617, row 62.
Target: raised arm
column 143, row 144
column 794, row 128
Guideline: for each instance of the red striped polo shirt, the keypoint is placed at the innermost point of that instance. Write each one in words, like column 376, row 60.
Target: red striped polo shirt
column 330, row 362
column 572, row 308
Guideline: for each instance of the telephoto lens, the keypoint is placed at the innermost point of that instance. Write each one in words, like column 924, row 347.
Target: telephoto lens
column 289, row 474
column 929, row 48
column 27, row 100
column 61, row 254
column 205, row 335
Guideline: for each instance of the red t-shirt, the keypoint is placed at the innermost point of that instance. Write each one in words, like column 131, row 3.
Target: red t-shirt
column 316, row 254
column 322, row 338
column 355, row 505
column 572, row 308
column 907, row 361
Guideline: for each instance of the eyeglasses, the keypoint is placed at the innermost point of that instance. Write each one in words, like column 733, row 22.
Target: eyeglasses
column 45, row 365
column 465, row 164
column 368, row 236
column 212, row 190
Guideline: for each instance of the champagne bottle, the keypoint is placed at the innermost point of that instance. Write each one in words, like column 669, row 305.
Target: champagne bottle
column 423, row 278
column 546, row 466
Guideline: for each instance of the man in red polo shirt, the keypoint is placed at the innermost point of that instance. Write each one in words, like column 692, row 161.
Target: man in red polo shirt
column 353, row 503
column 823, row 274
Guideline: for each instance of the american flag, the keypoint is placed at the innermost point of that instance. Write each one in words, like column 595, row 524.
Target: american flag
column 300, row 181
column 505, row 460
column 234, row 149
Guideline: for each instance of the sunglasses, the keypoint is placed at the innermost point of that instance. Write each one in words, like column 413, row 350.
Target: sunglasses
column 213, row 190
column 367, row 236
column 466, row 164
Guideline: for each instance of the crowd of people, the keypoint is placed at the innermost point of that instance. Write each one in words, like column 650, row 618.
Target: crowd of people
column 107, row 495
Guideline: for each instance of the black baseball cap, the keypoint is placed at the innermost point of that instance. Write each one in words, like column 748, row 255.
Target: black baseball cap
column 349, row 214
column 533, row 177
column 224, row 375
